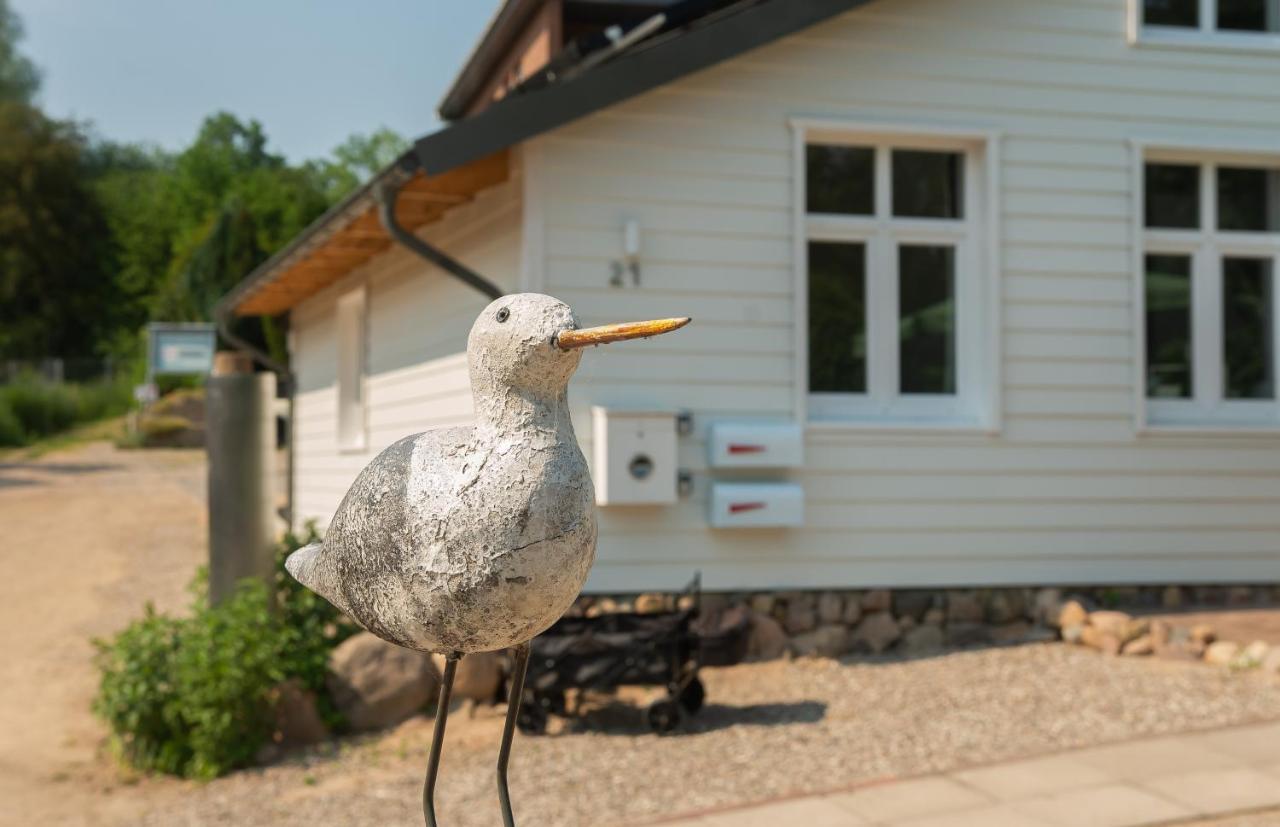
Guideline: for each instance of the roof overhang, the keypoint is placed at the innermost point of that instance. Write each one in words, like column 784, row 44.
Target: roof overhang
column 450, row 166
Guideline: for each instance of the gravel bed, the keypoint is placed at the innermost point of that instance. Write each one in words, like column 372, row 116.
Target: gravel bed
column 769, row 730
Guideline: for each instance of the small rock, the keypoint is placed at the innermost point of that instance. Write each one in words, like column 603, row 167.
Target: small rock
column 1221, row 653
column 1112, row 623
column 830, row 608
column 923, row 639
column 1171, row 597
column 877, row 600
column 479, row 676
column 828, row 641
column 1161, row 631
column 1072, row 613
column 876, row 633
column 767, row 639
column 907, row 623
column 651, row 603
column 1203, row 634
column 934, row 617
column 801, row 616
column 1046, row 606
column 912, row 603
column 968, row 634
column 602, row 606
column 964, row 607
column 763, row 603
column 297, row 720
column 1143, row 645
column 376, row 684
column 685, row 602
column 852, row 611
column 1005, row 606
column 1073, row 633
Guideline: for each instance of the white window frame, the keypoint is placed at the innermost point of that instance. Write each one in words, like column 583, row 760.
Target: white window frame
column 976, row 404
column 350, row 339
column 1207, row 411
column 1206, row 36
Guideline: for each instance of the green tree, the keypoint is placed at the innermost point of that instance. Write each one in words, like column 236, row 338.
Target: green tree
column 19, row 79
column 356, row 160
column 55, row 294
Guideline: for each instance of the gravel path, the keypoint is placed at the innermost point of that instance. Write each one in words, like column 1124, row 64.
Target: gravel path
column 770, row 730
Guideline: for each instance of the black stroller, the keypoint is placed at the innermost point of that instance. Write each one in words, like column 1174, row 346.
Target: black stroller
column 628, row 649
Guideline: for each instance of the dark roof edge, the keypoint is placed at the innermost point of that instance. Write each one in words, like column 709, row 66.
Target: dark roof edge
column 503, row 27
column 519, row 117
column 319, row 230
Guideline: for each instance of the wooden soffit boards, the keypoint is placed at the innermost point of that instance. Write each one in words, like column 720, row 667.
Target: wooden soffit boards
column 338, row 248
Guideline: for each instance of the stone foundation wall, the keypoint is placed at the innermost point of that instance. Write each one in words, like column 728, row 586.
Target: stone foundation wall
column 914, row 621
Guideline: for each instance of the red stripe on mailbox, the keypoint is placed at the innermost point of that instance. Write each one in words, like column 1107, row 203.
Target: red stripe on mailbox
column 738, row 508
column 738, row 448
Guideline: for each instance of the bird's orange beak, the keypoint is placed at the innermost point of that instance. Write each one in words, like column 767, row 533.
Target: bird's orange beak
column 605, row 333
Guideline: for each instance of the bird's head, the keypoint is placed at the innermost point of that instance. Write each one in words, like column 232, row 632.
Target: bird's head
column 532, row 343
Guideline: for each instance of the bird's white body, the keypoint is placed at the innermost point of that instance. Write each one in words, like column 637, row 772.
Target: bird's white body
column 472, row 539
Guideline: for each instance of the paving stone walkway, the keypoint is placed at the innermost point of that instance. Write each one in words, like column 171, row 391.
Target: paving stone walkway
column 1167, row 780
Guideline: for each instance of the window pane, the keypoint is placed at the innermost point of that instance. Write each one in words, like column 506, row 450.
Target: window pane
column 1173, row 196
column 1247, row 199
column 1247, row 332
column 837, row 318
column 1171, row 13
column 927, row 319
column 1248, row 15
column 1168, row 293
column 840, row 179
column 927, row 184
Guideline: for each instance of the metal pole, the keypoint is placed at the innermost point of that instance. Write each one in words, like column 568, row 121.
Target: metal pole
column 514, row 695
column 437, row 737
column 240, row 439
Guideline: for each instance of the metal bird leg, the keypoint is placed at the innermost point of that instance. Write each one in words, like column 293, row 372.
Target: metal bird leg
column 519, row 666
column 437, row 738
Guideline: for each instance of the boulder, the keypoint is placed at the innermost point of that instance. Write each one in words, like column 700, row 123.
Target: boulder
column 827, row 641
column 830, row 608
column 1221, row 653
column 934, row 617
column 602, row 606
column 1005, row 606
column 801, row 616
column 763, row 603
column 1104, row 641
column 912, row 603
column 651, row 603
column 964, row 607
column 1143, row 645
column 1046, row 606
column 297, row 719
column 767, row 639
column 1171, row 597
column 1016, row 631
column 907, row 623
column 1203, row 634
column 1072, row 613
column 1073, row 633
column 1112, row 623
column 852, row 611
column 923, row 639
column 375, row 684
column 479, row 676
column 877, row 600
column 1251, row 656
column 876, row 633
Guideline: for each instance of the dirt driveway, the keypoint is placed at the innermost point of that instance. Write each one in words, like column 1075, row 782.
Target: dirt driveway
column 87, row 536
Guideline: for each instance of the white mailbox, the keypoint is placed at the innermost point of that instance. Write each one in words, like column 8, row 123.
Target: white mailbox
column 634, row 456
column 756, row 445
column 757, row 505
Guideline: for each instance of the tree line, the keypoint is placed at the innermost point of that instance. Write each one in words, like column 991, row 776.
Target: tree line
column 99, row 237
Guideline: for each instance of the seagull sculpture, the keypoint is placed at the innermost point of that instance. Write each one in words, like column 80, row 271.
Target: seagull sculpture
column 477, row 538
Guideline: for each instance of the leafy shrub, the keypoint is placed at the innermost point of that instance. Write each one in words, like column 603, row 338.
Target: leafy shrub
column 192, row 696
column 31, row 408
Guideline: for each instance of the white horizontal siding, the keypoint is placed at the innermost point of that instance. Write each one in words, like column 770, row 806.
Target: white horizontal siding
column 1066, row 491
column 416, row 369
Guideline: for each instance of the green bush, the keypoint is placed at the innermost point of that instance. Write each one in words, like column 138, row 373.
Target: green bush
column 191, row 696
column 31, row 408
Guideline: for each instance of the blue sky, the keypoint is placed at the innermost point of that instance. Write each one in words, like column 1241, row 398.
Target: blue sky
column 312, row 71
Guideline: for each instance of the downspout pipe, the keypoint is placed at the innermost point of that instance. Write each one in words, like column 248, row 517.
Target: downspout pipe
column 222, row 314
column 386, row 196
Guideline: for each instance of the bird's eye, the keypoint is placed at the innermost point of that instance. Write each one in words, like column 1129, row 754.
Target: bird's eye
column 503, row 315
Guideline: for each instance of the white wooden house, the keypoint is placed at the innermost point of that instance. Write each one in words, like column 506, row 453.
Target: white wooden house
column 1006, row 267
